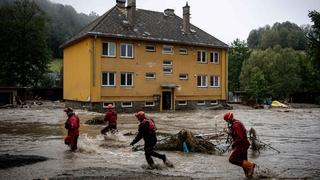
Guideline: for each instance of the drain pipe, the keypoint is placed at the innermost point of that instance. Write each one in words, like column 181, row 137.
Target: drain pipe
column 94, row 61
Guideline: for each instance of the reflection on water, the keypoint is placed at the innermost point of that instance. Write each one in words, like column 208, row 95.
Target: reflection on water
column 40, row 132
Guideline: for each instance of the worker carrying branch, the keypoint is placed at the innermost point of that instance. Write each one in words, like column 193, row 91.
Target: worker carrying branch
column 240, row 145
column 147, row 131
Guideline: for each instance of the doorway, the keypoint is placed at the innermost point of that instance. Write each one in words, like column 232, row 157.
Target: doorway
column 166, row 100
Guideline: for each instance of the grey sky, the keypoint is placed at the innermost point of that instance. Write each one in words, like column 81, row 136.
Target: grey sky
column 224, row 19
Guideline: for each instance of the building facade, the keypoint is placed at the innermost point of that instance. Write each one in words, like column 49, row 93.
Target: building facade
column 144, row 60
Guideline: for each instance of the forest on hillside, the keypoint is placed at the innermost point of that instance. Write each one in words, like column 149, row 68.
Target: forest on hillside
column 281, row 62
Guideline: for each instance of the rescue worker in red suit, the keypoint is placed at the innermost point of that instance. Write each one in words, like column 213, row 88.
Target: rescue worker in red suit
column 240, row 145
column 111, row 118
column 147, row 131
column 72, row 125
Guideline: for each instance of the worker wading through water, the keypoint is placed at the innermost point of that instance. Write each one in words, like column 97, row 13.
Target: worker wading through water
column 111, row 119
column 72, row 125
column 147, row 131
column 240, row 145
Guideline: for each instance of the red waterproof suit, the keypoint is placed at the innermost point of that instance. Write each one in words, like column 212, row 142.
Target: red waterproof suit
column 72, row 125
column 111, row 118
column 240, row 143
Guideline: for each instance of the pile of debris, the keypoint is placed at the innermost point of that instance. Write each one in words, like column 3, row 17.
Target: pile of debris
column 98, row 120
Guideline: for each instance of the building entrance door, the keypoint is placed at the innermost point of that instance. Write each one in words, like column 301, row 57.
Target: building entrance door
column 166, row 100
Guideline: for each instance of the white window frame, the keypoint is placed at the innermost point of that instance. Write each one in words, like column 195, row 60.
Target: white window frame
column 150, row 50
column 204, row 78
column 214, row 102
column 201, row 103
column 126, row 79
column 105, row 104
column 201, row 60
column 183, row 51
column 167, row 62
column 150, row 77
column 149, row 105
column 108, row 76
column 167, row 70
column 109, row 45
column 129, row 105
column 213, row 81
column 186, row 77
column 126, row 53
column 182, row 103
column 213, row 57
column 165, row 51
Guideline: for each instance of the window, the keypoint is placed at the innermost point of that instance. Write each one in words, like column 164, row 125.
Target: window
column 201, row 103
column 105, row 104
column 202, row 56
column 182, row 103
column 109, row 49
column 126, row 79
column 183, row 51
column 150, row 48
column 126, row 104
column 108, row 79
column 126, row 50
column 167, row 69
column 150, row 75
column 214, row 102
column 215, row 81
column 149, row 104
column 167, row 49
column 167, row 63
column 183, row 76
column 214, row 57
column 202, row 81
column 167, row 66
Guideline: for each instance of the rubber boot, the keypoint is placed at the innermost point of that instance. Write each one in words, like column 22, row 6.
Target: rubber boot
column 249, row 167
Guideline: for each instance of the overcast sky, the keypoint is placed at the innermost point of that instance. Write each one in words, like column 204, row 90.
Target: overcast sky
column 224, row 19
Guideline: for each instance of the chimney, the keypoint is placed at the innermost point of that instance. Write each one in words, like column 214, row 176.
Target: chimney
column 169, row 12
column 186, row 18
column 121, row 3
column 131, row 11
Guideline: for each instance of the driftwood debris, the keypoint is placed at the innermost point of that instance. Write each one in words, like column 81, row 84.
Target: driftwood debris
column 96, row 121
column 175, row 143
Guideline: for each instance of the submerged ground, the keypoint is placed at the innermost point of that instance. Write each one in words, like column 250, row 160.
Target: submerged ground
column 39, row 131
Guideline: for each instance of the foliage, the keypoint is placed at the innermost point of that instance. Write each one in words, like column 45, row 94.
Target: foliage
column 238, row 52
column 55, row 65
column 285, row 35
column 23, row 44
column 273, row 72
column 63, row 22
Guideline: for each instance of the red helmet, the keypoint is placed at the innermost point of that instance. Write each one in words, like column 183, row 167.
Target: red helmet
column 68, row 109
column 228, row 116
column 109, row 106
column 140, row 115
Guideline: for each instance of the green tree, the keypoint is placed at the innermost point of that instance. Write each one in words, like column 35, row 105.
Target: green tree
column 273, row 72
column 314, row 39
column 23, row 44
column 285, row 35
column 238, row 53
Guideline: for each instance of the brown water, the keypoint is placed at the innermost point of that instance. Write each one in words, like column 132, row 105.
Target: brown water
column 40, row 131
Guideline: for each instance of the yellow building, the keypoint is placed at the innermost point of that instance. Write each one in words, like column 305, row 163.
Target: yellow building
column 144, row 60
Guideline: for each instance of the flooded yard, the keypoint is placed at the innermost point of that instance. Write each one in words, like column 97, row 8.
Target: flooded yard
column 40, row 131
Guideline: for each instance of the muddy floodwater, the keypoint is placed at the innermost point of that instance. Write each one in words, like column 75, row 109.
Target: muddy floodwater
column 39, row 131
